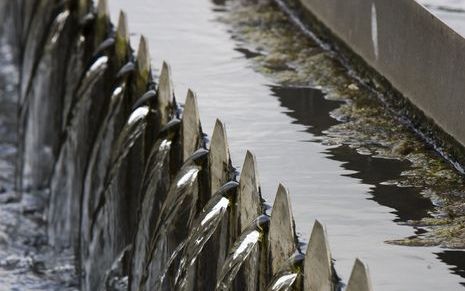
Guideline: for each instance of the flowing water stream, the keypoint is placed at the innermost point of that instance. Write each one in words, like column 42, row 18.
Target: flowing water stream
column 287, row 275
column 157, row 171
column 64, row 189
column 175, row 218
column 202, row 230
column 241, row 250
column 284, row 126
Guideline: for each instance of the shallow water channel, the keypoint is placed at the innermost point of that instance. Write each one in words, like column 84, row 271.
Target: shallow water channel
column 283, row 126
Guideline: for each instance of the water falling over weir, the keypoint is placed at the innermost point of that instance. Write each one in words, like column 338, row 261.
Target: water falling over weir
column 284, row 279
column 131, row 182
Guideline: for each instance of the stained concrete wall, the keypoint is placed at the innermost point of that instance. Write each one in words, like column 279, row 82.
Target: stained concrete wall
column 418, row 54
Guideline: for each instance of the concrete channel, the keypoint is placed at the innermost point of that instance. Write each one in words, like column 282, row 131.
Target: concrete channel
column 413, row 51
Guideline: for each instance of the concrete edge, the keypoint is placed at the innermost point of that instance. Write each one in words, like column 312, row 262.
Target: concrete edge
column 406, row 104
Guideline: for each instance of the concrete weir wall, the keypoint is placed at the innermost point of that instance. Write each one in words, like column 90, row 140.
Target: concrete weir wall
column 130, row 174
column 414, row 51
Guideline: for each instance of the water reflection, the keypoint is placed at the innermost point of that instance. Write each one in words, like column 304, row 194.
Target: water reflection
column 309, row 108
column 408, row 203
column 249, row 54
column 455, row 259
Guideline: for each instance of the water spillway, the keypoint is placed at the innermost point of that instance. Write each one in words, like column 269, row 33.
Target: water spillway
column 123, row 170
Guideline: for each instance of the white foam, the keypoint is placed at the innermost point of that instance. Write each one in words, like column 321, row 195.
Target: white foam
column 189, row 176
column 138, row 114
column 250, row 239
column 222, row 204
column 283, row 281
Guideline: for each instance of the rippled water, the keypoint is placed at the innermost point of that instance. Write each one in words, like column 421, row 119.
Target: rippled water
column 282, row 127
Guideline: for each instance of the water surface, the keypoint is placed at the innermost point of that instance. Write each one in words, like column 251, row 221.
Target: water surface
column 283, row 126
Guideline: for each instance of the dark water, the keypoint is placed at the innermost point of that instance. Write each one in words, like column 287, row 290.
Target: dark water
column 456, row 259
column 309, row 107
column 283, row 127
column 407, row 202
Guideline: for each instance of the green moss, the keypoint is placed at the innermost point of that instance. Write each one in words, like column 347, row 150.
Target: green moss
column 288, row 57
column 444, row 232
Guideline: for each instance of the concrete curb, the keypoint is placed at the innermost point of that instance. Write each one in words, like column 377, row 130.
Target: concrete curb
column 419, row 61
